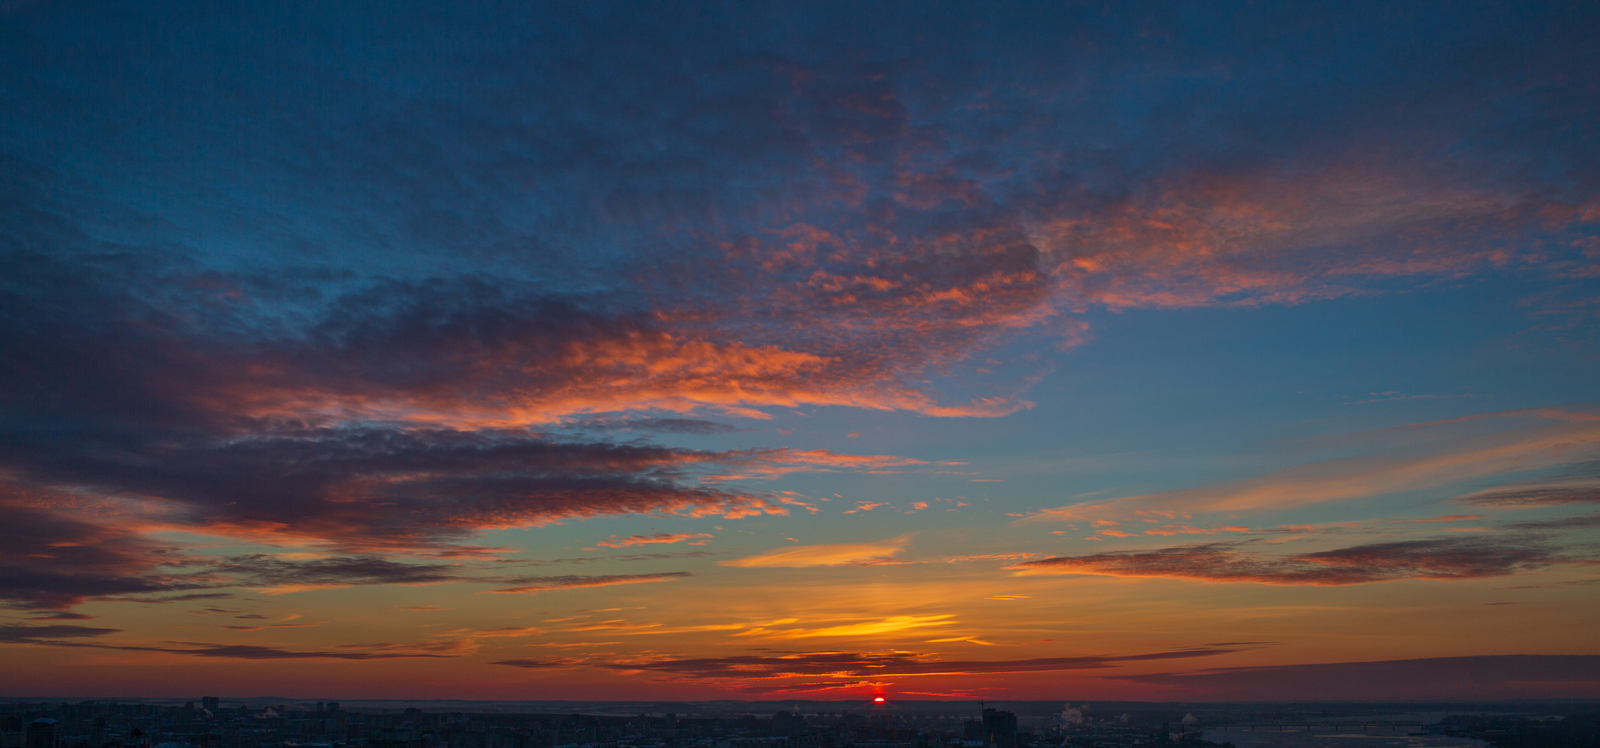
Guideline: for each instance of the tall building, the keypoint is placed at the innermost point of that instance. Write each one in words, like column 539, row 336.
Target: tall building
column 211, row 703
column 44, row 732
column 999, row 729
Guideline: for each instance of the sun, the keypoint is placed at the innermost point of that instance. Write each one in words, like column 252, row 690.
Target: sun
column 878, row 700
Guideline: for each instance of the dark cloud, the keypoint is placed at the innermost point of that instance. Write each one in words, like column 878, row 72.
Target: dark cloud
column 245, row 652
column 759, row 667
column 69, row 636
column 212, row 436
column 373, row 488
column 570, row 581
column 243, row 432
column 307, row 625
column 1579, row 522
column 1454, row 678
column 1574, row 483
column 1449, row 558
column 16, row 634
column 182, row 598
column 628, row 558
column 258, row 570
column 659, row 425
column 1533, row 497
column 550, row 664
column 51, row 560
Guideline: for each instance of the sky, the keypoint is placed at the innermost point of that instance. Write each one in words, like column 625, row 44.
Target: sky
column 800, row 350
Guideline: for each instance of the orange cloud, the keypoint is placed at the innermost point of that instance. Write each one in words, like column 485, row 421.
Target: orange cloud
column 837, row 554
column 660, row 537
column 890, row 625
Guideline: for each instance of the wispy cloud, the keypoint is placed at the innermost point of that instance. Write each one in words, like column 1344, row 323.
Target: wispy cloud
column 881, row 665
column 1449, row 558
column 659, row 537
column 890, row 625
column 1578, row 483
column 525, row 585
column 834, row 554
column 1484, row 677
column 1569, row 439
column 73, row 636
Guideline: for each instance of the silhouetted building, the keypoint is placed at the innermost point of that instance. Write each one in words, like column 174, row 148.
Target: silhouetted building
column 212, row 703
column 999, row 729
column 786, row 723
column 44, row 732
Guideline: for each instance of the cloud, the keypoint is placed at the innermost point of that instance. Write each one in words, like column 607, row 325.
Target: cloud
column 69, row 636
column 1579, row 522
column 181, row 598
column 380, row 360
column 557, row 663
column 507, row 632
column 1578, row 483
column 990, row 557
column 524, row 585
column 1535, row 496
column 1491, row 677
column 693, row 426
column 828, row 229
column 274, row 440
column 276, row 626
column 277, row 576
column 1451, row 558
column 836, row 554
column 370, row 487
column 615, row 624
column 1572, row 437
column 628, row 558
column 52, row 560
column 15, row 634
column 890, row 625
column 375, row 489
column 659, row 537
column 775, row 463
column 249, row 652
column 880, row 665
column 60, row 616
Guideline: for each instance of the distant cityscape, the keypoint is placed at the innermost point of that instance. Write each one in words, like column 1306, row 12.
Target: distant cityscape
column 213, row 722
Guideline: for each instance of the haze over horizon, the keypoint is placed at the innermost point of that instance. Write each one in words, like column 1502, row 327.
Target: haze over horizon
column 1134, row 351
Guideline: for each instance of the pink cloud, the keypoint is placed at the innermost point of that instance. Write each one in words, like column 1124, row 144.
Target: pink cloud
column 660, row 537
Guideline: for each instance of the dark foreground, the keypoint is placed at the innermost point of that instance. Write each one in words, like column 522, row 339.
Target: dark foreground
column 286, row 723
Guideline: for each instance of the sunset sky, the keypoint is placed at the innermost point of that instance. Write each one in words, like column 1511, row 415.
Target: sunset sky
column 799, row 350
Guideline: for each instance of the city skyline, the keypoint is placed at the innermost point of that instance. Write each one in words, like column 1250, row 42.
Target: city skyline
column 591, row 351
